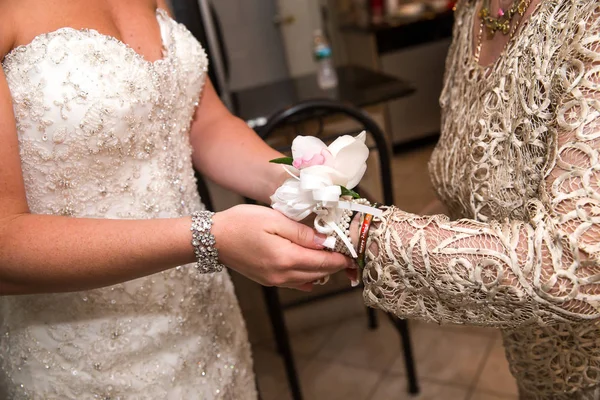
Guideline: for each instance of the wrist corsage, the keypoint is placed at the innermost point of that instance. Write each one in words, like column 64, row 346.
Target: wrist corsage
column 321, row 182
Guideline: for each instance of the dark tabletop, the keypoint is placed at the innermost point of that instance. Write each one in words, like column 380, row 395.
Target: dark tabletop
column 357, row 86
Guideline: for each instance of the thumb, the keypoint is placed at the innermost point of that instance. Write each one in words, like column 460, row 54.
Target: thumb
column 304, row 236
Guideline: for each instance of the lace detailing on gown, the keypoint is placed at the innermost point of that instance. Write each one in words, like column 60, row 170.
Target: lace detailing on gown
column 104, row 133
column 518, row 161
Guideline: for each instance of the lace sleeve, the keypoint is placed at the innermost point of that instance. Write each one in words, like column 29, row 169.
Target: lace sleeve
column 508, row 273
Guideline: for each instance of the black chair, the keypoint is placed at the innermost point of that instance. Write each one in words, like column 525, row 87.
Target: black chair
column 204, row 192
column 319, row 109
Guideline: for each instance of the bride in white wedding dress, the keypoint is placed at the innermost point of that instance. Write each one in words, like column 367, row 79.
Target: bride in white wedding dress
column 100, row 127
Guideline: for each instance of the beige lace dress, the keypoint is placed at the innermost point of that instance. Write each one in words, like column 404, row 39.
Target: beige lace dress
column 518, row 166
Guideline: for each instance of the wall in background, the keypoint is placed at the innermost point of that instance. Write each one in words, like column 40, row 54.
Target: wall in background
column 301, row 18
column 253, row 42
column 418, row 115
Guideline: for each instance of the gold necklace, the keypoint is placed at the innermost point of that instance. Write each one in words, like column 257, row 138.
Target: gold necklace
column 522, row 6
column 504, row 20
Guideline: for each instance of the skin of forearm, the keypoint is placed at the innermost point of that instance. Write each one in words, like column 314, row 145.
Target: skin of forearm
column 40, row 253
column 234, row 156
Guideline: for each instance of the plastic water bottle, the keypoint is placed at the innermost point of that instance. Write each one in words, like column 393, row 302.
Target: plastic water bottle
column 326, row 75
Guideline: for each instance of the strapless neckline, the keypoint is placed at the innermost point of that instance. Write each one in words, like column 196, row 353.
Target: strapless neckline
column 161, row 15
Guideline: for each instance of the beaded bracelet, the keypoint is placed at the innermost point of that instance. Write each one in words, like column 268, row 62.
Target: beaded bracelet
column 362, row 240
column 207, row 255
column 344, row 225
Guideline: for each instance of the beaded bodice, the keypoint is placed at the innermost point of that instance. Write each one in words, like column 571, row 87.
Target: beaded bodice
column 518, row 161
column 103, row 133
column 95, row 120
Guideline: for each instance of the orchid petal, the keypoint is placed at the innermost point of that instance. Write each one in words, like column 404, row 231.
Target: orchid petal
column 351, row 160
column 339, row 143
column 355, row 180
column 306, row 147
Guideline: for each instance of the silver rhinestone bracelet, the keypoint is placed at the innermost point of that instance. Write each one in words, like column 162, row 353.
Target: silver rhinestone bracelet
column 204, row 243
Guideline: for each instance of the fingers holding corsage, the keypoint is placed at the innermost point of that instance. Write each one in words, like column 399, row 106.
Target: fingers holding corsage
column 321, row 183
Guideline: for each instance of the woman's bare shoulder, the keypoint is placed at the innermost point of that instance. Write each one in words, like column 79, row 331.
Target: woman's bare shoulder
column 7, row 26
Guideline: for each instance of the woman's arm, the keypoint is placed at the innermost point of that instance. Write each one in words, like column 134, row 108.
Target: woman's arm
column 43, row 253
column 46, row 253
column 540, row 271
column 231, row 154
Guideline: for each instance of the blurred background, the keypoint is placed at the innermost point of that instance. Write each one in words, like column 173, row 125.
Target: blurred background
column 324, row 68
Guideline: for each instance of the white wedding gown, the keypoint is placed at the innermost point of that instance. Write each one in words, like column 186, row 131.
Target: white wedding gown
column 104, row 133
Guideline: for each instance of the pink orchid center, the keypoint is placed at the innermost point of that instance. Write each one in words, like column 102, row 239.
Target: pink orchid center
column 317, row 159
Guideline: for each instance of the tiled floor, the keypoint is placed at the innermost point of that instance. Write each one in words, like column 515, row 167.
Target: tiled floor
column 338, row 357
column 346, row 360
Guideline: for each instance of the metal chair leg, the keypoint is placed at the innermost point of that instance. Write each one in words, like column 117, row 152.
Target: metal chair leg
column 372, row 315
column 409, row 362
column 282, row 339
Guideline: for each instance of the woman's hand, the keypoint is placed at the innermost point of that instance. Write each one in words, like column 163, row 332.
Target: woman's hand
column 273, row 250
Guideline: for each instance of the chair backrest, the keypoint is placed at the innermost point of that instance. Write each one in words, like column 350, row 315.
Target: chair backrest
column 325, row 108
